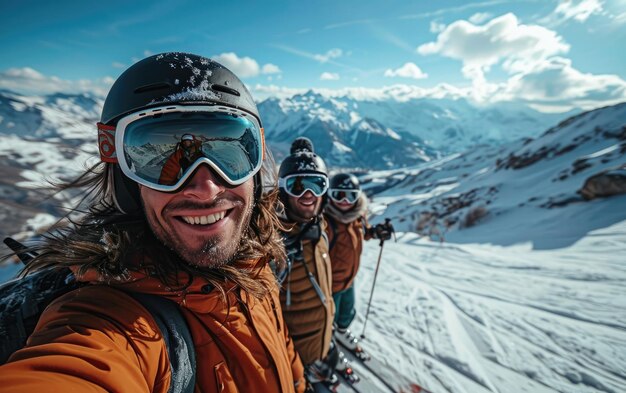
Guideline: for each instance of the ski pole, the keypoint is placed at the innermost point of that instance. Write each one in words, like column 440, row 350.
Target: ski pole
column 369, row 304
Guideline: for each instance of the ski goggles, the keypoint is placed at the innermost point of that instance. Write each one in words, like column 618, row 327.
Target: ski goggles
column 161, row 148
column 297, row 185
column 338, row 195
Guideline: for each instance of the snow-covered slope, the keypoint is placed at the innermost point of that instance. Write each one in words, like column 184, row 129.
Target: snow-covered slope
column 477, row 318
column 523, row 190
column 527, row 297
column 42, row 139
column 406, row 132
column 53, row 116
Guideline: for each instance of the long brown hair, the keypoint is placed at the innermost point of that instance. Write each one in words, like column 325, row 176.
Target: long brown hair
column 111, row 243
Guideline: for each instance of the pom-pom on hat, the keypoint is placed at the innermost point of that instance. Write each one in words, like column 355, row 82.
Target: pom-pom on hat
column 301, row 144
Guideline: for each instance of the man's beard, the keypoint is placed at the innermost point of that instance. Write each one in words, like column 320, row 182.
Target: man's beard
column 294, row 214
column 218, row 250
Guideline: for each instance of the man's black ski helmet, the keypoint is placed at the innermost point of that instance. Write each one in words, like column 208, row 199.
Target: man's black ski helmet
column 345, row 181
column 302, row 162
column 175, row 78
column 302, row 159
column 169, row 78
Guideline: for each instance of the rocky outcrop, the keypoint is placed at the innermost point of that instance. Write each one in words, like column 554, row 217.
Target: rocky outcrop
column 604, row 184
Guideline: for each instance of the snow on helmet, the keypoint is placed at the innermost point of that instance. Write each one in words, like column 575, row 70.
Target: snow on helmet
column 169, row 78
column 345, row 181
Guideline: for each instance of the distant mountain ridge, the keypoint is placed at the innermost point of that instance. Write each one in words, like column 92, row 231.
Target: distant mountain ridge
column 397, row 133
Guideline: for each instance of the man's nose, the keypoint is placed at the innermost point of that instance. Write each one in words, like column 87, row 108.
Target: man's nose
column 308, row 194
column 204, row 184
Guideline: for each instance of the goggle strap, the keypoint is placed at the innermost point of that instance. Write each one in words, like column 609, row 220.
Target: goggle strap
column 106, row 143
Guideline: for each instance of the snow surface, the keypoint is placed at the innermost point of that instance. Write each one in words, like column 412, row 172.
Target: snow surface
column 480, row 318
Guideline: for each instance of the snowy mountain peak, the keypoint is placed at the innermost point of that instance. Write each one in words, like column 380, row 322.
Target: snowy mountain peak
column 444, row 125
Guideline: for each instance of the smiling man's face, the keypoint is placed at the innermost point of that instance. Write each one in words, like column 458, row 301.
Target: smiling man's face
column 305, row 207
column 204, row 221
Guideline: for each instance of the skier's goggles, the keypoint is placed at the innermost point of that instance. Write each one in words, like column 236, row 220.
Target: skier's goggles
column 338, row 195
column 297, row 185
column 150, row 148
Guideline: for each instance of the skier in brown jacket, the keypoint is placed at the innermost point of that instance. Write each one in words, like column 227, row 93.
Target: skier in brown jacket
column 203, row 242
column 347, row 227
column 306, row 295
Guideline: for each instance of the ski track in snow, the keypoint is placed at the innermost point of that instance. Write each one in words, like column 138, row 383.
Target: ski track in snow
column 480, row 318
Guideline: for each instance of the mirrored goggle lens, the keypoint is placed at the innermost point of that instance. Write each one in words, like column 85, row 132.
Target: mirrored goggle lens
column 162, row 151
column 298, row 185
column 349, row 195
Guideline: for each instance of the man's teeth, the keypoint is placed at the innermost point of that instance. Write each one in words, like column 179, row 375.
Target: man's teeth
column 204, row 220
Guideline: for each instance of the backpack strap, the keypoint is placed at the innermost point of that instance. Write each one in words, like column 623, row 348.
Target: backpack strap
column 177, row 337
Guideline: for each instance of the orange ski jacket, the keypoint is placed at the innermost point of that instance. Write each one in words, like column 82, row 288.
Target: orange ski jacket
column 346, row 232
column 98, row 338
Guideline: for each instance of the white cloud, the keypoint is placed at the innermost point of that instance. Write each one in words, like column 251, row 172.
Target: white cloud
column 480, row 17
column 555, row 83
column 579, row 10
column 398, row 92
column 261, row 92
column 532, row 56
column 620, row 18
column 436, row 27
column 501, row 39
column 270, row 68
column 329, row 76
column 331, row 54
column 245, row 67
column 25, row 73
column 116, row 64
column 556, row 87
column 409, row 70
column 29, row 81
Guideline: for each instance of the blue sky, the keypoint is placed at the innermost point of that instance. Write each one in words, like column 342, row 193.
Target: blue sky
column 553, row 54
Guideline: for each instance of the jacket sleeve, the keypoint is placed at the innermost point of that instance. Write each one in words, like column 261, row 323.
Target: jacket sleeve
column 95, row 339
column 296, row 363
column 368, row 231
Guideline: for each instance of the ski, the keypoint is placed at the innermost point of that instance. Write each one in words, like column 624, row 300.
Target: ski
column 350, row 342
column 372, row 381
column 353, row 384
column 339, row 385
